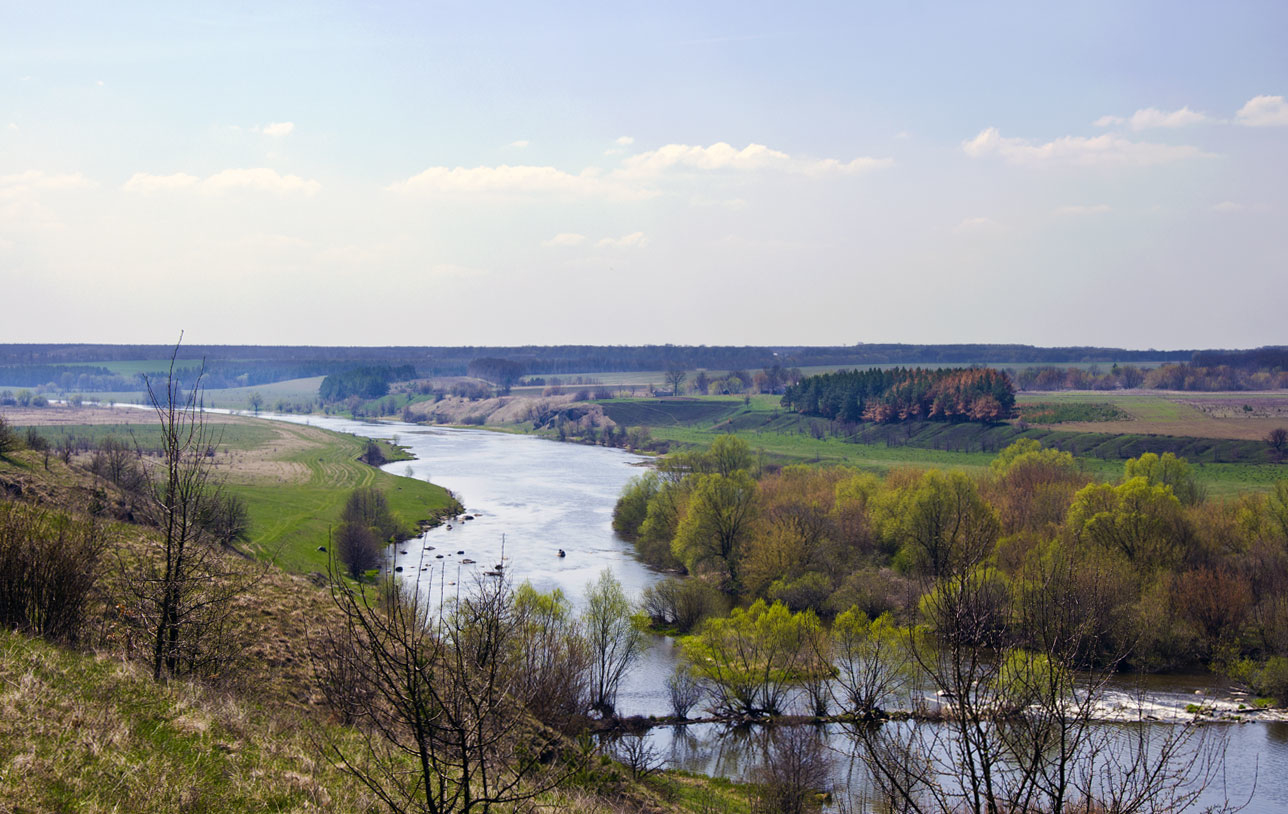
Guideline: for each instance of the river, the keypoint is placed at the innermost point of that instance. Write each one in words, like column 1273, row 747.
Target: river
column 542, row 496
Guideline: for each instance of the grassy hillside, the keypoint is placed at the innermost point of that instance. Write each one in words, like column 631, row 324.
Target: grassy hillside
column 87, row 730
column 293, row 478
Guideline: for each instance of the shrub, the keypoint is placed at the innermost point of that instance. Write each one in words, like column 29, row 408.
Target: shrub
column 357, row 548
column 682, row 604
column 49, row 565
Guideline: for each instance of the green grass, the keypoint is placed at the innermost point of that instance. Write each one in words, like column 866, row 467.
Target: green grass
column 238, row 436
column 1139, row 406
column 130, row 367
column 1046, row 412
column 290, row 520
column 787, row 437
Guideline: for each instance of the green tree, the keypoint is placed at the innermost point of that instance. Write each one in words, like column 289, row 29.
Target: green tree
column 942, row 522
column 753, row 657
column 1140, row 520
column 717, row 520
column 1166, row 470
column 872, row 660
column 9, row 440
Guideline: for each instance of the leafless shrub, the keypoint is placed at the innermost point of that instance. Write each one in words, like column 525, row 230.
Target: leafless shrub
column 634, row 751
column 49, row 566
column 683, row 690
column 442, row 729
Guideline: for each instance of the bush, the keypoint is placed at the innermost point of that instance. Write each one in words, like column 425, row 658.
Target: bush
column 8, row 438
column 357, row 547
column 49, row 565
column 368, row 507
column 682, row 604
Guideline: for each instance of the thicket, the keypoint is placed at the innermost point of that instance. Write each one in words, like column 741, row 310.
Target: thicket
column 369, row 382
column 902, row 394
column 1194, row 580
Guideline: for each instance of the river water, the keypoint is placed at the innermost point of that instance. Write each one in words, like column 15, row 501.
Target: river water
column 541, row 496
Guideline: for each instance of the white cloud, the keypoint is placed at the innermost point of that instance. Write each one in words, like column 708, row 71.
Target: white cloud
column 278, row 129
column 260, row 178
column 147, row 183
column 12, row 186
column 1106, row 150
column 1083, row 209
column 1263, row 111
column 625, row 141
column 13, row 125
column 519, row 144
column 514, row 180
column 976, row 226
column 565, row 239
column 1151, row 117
column 635, row 240
column 1228, row 206
column 722, row 156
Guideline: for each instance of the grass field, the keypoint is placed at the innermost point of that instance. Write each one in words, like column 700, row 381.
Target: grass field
column 1246, row 416
column 292, row 515
column 1225, row 466
column 292, row 391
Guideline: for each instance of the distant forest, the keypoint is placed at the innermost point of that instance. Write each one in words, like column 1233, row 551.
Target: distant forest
column 905, row 394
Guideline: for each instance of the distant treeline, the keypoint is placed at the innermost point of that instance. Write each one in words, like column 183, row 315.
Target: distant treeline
column 902, row 394
column 566, row 359
column 1183, row 376
column 364, row 382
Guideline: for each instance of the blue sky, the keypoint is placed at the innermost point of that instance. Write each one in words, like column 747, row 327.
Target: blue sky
column 475, row 173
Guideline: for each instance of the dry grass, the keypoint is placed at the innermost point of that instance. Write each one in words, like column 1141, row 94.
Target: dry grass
column 95, row 734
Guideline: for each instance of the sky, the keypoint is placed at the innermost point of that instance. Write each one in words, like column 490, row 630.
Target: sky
column 1091, row 173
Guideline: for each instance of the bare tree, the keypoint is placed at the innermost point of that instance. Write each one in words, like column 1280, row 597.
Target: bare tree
column 182, row 591
column 438, row 703
column 1023, row 670
column 795, row 769
column 1277, row 440
column 675, row 375
column 615, row 640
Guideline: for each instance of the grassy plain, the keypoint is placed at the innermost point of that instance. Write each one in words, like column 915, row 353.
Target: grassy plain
column 294, row 478
column 1224, row 465
column 1246, row 416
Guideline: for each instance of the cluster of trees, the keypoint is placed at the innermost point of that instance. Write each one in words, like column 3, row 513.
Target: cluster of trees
column 504, row 373
column 771, row 379
column 1215, row 378
column 368, row 382
column 1192, row 580
column 901, row 394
